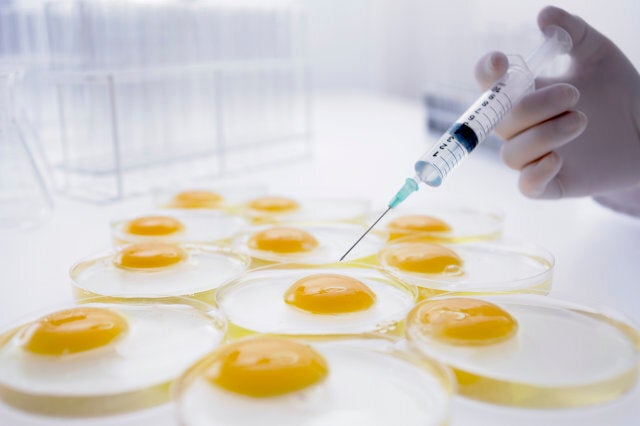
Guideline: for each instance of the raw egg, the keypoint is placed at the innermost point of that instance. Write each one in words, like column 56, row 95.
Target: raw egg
column 102, row 358
column 527, row 350
column 443, row 223
column 178, row 226
column 463, row 321
column 290, row 299
column 200, row 197
column 158, row 270
column 269, row 209
column 353, row 382
column 265, row 367
column 310, row 243
column 500, row 266
column 196, row 199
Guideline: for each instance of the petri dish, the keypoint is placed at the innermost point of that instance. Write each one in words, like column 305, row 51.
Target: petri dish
column 561, row 355
column 195, row 226
column 203, row 269
column 277, row 209
column 255, row 302
column 444, row 223
column 206, row 197
column 508, row 266
column 131, row 372
column 333, row 240
column 369, row 382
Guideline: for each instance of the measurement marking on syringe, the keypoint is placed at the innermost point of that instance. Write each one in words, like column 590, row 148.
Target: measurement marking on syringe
column 497, row 115
column 509, row 99
column 484, row 131
column 453, row 154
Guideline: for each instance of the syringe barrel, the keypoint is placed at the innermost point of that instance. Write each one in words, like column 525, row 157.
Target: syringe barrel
column 475, row 124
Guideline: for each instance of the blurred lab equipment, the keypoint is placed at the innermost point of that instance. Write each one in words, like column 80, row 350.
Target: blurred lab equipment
column 25, row 200
column 128, row 96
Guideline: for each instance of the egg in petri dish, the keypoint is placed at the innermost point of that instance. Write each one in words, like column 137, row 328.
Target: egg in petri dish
column 156, row 269
column 199, row 197
column 310, row 243
column 295, row 300
column 342, row 383
column 276, row 209
column 178, row 226
column 479, row 267
column 100, row 358
column 527, row 350
column 446, row 224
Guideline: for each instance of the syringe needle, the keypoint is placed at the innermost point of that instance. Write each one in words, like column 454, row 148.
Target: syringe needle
column 365, row 233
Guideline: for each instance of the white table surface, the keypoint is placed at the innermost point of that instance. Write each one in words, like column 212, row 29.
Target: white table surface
column 365, row 146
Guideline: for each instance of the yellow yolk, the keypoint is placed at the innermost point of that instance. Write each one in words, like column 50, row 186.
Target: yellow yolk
column 196, row 200
column 149, row 255
column 410, row 224
column 283, row 240
column 74, row 330
column 154, row 226
column 274, row 204
column 463, row 321
column 264, row 367
column 330, row 294
column 422, row 257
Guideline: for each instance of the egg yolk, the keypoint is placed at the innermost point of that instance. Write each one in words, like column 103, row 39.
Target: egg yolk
column 329, row 294
column 74, row 330
column 274, row 204
column 283, row 240
column 463, row 321
column 264, row 367
column 196, row 200
column 149, row 255
column 154, row 226
column 423, row 257
column 410, row 224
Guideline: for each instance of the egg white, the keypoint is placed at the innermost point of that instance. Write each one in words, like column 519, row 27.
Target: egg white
column 364, row 387
column 205, row 268
column 256, row 302
column 333, row 241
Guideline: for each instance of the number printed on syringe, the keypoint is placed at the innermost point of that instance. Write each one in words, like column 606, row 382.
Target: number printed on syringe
column 483, row 116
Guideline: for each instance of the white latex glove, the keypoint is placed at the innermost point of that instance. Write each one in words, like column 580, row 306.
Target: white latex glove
column 578, row 134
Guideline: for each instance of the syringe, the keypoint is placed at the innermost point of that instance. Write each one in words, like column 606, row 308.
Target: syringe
column 475, row 124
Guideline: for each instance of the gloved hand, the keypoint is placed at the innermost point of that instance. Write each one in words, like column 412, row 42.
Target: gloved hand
column 578, row 134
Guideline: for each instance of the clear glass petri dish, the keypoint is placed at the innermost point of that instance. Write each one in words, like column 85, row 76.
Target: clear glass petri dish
column 255, row 302
column 504, row 266
column 195, row 226
column 204, row 269
column 333, row 240
column 133, row 371
column 278, row 209
column 369, row 382
column 444, row 223
column 206, row 197
column 562, row 354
